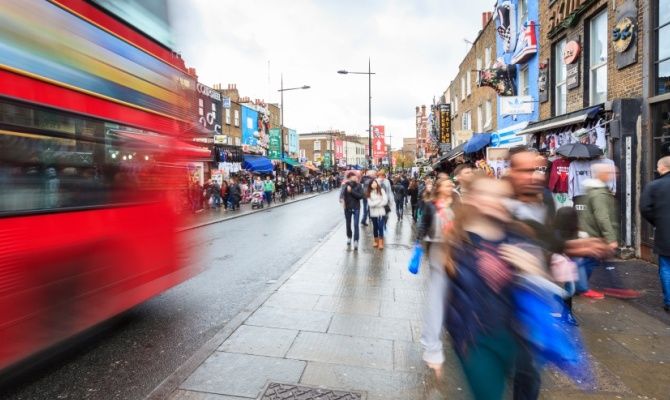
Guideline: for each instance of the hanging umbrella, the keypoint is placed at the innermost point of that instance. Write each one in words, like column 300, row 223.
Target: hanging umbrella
column 477, row 143
column 579, row 150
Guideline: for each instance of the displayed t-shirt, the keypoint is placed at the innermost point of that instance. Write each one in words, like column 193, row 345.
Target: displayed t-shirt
column 580, row 171
column 558, row 176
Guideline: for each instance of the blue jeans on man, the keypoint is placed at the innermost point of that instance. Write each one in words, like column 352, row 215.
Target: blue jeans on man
column 268, row 197
column 664, row 274
column 348, row 214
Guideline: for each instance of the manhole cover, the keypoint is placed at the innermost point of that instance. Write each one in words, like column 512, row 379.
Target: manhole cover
column 283, row 391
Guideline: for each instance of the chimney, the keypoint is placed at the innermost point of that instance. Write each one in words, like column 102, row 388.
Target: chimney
column 486, row 17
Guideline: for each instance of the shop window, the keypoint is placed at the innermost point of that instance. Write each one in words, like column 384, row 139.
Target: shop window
column 468, row 78
column 466, row 121
column 227, row 116
column 560, row 79
column 524, row 81
column 662, row 59
column 598, row 59
column 237, row 118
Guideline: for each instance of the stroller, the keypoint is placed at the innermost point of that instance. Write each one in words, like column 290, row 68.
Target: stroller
column 257, row 200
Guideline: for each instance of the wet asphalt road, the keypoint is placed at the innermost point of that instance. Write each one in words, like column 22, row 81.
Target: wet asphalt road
column 129, row 357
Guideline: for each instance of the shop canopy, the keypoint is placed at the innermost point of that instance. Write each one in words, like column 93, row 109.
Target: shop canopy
column 577, row 117
column 310, row 167
column 477, row 142
column 257, row 164
column 291, row 162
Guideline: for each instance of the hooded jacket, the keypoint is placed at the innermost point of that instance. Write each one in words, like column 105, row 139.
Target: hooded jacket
column 600, row 218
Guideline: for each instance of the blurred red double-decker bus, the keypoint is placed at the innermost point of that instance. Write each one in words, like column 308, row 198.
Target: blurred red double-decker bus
column 91, row 115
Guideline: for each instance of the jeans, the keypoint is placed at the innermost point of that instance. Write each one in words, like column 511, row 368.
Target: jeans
column 268, row 197
column 585, row 267
column 377, row 227
column 399, row 206
column 366, row 212
column 433, row 314
column 664, row 273
column 355, row 213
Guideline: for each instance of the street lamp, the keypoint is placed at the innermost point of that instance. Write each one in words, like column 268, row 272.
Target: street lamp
column 281, row 129
column 369, row 74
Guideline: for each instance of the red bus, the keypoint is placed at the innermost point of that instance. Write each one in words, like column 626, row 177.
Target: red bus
column 93, row 114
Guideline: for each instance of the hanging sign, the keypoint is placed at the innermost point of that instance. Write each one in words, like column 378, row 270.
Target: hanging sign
column 445, row 123
column 516, row 105
column 570, row 58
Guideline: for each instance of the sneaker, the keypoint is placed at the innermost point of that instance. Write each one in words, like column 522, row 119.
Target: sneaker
column 622, row 293
column 592, row 294
column 348, row 242
column 355, row 244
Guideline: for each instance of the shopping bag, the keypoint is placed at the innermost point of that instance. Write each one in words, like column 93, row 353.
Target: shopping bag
column 415, row 261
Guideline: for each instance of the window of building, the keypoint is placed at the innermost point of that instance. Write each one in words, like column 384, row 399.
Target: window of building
column 521, row 13
column 524, row 81
column 598, row 59
column 237, row 118
column 480, row 66
column 560, row 80
column 317, row 145
column 238, row 141
column 455, row 103
column 227, row 116
column 662, row 59
column 468, row 85
column 466, row 121
column 487, row 57
column 328, row 145
column 488, row 110
column 462, row 88
column 480, row 115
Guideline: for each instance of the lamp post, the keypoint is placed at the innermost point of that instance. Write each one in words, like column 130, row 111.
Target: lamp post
column 369, row 74
column 281, row 90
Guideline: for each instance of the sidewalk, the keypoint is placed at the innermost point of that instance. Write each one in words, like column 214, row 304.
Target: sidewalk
column 212, row 216
column 350, row 321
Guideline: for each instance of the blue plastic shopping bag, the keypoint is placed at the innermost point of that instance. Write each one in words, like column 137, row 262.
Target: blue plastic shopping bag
column 415, row 261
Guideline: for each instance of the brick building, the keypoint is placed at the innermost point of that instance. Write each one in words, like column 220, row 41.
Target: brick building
column 473, row 108
column 231, row 116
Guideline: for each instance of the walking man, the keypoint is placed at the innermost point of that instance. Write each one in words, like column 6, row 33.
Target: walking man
column 350, row 197
column 268, row 189
column 365, row 181
column 399, row 193
column 655, row 208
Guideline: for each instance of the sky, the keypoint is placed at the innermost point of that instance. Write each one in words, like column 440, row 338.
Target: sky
column 415, row 48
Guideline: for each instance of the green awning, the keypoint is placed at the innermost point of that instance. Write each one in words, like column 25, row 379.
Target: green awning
column 291, row 162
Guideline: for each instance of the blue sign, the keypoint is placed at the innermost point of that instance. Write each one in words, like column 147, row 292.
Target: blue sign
column 508, row 138
column 226, row 102
column 250, row 133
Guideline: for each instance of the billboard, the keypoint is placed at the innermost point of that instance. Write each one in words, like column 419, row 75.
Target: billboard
column 209, row 108
column 339, row 149
column 378, row 141
column 250, row 133
column 445, row 123
column 292, row 141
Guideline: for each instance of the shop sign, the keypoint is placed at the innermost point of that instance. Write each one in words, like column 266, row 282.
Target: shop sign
column 516, row 105
column 570, row 58
column 543, row 81
column 226, row 103
column 327, row 162
column 565, row 14
column 572, row 79
column 624, row 35
column 274, row 150
column 209, row 108
column 507, row 138
column 220, row 139
column 378, row 141
column 445, row 123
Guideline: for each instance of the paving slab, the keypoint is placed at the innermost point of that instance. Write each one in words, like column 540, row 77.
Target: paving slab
column 340, row 349
column 348, row 305
column 191, row 395
column 372, row 327
column 260, row 341
column 241, row 375
column 395, row 309
column 278, row 317
column 647, row 348
column 300, row 301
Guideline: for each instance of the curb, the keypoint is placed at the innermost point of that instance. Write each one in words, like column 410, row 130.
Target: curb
column 216, row 221
column 170, row 384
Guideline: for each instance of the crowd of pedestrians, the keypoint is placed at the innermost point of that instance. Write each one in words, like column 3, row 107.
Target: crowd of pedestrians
column 492, row 241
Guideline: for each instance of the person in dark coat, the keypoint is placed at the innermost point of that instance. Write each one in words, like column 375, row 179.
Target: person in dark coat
column 234, row 194
column 655, row 208
column 350, row 197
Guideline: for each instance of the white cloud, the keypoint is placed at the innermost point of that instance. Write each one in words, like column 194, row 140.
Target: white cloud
column 415, row 48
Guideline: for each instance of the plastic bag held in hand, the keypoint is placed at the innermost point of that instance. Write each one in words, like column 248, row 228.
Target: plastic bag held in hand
column 415, row 262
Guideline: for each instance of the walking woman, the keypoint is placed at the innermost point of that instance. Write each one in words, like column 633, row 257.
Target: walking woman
column 413, row 194
column 483, row 251
column 377, row 201
column 436, row 221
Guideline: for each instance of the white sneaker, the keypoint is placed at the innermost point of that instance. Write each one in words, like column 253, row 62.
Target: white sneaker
column 356, row 245
column 348, row 242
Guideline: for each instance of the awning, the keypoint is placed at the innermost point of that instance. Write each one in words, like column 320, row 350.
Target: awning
column 257, row 164
column 450, row 155
column 291, row 162
column 478, row 142
column 576, row 117
column 310, row 167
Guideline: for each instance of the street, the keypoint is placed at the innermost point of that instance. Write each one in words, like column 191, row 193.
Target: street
column 133, row 355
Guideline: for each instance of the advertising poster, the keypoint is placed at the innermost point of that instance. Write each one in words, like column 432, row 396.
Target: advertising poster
column 292, row 141
column 445, row 123
column 339, row 149
column 209, row 108
column 274, row 147
column 327, row 162
column 378, row 142
column 249, row 127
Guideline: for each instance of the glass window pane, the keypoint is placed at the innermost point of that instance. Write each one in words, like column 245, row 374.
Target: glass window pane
column 559, row 65
column 663, row 12
column 599, row 39
column 664, row 42
column 599, row 85
column 663, row 81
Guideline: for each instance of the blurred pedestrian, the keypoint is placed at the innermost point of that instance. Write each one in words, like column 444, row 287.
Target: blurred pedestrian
column 368, row 176
column 386, row 186
column 655, row 208
column 377, row 201
column 399, row 194
column 350, row 197
column 436, row 221
column 234, row 194
column 413, row 194
column 268, row 189
column 463, row 175
column 484, row 250
column 224, row 194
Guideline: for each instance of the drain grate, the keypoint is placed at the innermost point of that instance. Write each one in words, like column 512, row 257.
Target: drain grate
column 284, row 391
